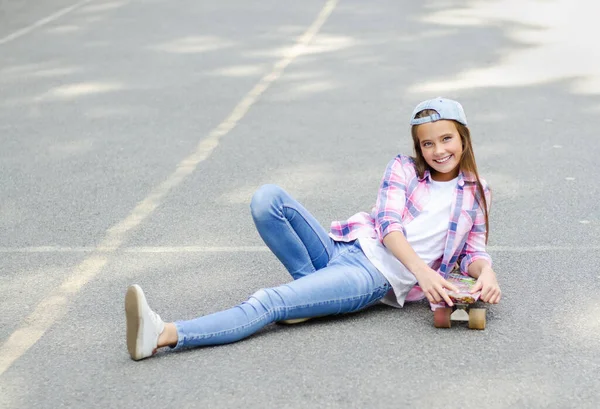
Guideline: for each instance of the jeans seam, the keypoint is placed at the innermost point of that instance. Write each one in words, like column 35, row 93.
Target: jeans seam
column 347, row 249
column 229, row 331
column 277, row 309
column 330, row 301
column 300, row 240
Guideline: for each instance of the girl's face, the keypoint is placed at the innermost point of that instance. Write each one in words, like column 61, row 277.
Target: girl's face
column 442, row 148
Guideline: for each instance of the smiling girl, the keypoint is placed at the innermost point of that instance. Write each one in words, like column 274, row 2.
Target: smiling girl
column 431, row 215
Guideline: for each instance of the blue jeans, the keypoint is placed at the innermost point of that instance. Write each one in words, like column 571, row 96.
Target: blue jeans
column 329, row 277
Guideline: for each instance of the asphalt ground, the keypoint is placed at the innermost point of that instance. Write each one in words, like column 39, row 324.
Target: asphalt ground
column 133, row 134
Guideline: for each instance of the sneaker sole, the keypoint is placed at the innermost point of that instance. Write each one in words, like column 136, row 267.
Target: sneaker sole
column 132, row 314
column 294, row 321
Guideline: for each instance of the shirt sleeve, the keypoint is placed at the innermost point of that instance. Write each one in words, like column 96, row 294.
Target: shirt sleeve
column 474, row 248
column 391, row 200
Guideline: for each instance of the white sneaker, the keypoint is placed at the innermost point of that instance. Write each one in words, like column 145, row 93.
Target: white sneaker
column 143, row 325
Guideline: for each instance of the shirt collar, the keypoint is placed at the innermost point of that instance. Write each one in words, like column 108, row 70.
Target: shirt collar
column 462, row 177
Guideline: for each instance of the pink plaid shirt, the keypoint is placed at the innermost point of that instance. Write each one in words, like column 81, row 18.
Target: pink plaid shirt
column 403, row 195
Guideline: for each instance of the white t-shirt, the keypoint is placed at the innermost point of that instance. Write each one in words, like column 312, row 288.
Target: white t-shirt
column 426, row 234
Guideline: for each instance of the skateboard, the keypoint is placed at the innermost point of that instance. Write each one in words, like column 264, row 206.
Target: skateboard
column 463, row 302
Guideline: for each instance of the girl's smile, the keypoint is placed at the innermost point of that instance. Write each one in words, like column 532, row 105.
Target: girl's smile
column 443, row 160
column 441, row 146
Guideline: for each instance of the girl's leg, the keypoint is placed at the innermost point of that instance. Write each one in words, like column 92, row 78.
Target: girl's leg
column 348, row 284
column 290, row 231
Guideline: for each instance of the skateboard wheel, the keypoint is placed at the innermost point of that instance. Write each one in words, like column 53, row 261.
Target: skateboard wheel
column 441, row 317
column 477, row 318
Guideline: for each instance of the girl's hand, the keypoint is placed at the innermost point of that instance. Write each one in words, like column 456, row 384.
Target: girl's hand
column 488, row 285
column 433, row 285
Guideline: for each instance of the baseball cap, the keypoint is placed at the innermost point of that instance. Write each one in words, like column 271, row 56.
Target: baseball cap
column 445, row 109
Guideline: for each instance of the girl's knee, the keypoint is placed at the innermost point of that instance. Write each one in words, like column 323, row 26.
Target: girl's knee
column 262, row 301
column 262, row 296
column 263, row 200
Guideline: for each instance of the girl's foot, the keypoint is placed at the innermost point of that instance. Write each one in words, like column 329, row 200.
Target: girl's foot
column 143, row 325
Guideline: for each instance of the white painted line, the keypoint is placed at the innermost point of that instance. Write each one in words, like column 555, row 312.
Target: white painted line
column 145, row 249
column 557, row 146
column 584, row 221
column 253, row 249
column 198, row 249
column 53, row 307
column 569, row 178
column 47, row 249
column 42, row 22
column 524, row 249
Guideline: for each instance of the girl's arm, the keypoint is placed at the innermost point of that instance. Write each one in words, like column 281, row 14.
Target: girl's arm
column 476, row 262
column 487, row 282
column 396, row 242
column 391, row 200
column 429, row 280
column 476, row 267
column 474, row 248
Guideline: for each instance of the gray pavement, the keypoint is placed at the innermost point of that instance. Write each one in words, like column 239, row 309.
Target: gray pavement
column 99, row 106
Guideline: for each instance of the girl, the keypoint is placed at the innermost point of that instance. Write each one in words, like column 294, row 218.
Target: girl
column 431, row 215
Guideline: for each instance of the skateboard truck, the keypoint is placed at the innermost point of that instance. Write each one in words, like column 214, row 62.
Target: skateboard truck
column 460, row 313
column 462, row 310
column 443, row 317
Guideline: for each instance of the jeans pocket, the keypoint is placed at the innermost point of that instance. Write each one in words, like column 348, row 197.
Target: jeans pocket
column 384, row 289
column 379, row 293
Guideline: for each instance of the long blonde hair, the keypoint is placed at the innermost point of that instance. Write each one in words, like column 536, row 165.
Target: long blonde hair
column 466, row 163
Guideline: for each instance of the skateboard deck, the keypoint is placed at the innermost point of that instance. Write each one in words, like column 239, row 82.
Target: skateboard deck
column 464, row 285
column 463, row 300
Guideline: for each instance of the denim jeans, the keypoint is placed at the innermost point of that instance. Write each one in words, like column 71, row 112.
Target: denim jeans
column 329, row 277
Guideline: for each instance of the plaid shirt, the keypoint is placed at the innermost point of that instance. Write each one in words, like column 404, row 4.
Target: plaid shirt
column 403, row 195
